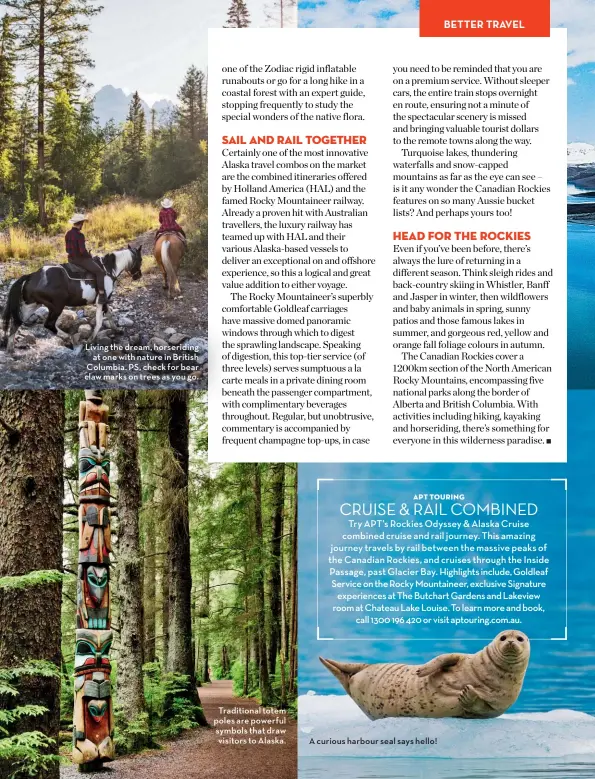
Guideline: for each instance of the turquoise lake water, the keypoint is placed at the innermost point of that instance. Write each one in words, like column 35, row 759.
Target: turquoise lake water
column 515, row 768
column 581, row 300
column 581, row 306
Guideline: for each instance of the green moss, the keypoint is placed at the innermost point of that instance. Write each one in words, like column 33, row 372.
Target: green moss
column 33, row 579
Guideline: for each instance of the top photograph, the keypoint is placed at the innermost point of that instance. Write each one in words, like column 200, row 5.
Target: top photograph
column 103, row 191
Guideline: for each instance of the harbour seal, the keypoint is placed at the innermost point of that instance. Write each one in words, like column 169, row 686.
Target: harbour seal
column 477, row 686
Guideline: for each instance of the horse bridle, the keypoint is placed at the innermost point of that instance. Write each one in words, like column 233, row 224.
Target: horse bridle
column 134, row 276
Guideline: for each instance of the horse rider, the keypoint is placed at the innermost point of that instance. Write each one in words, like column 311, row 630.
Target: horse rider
column 79, row 255
column 167, row 219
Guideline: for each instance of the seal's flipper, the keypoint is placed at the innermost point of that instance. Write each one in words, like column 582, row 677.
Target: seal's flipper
column 343, row 671
column 439, row 664
column 473, row 706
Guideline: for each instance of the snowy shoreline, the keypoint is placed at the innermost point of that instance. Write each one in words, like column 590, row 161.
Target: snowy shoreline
column 332, row 725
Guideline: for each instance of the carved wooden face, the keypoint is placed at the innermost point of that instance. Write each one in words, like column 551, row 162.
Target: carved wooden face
column 94, row 468
column 98, row 709
column 97, row 582
column 95, row 535
column 93, row 719
column 93, row 604
column 92, row 649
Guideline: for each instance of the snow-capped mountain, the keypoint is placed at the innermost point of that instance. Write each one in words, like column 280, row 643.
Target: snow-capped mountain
column 112, row 103
column 580, row 154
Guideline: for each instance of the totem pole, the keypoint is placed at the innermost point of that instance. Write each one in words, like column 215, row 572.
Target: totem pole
column 93, row 711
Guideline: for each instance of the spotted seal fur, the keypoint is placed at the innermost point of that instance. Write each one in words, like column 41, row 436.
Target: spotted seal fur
column 472, row 686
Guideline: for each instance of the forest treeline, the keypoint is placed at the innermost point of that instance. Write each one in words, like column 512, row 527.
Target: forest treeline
column 54, row 155
column 203, row 576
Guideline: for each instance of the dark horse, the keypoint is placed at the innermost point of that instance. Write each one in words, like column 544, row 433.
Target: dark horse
column 58, row 286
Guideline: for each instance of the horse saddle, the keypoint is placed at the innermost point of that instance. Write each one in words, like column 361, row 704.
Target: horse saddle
column 178, row 235
column 76, row 273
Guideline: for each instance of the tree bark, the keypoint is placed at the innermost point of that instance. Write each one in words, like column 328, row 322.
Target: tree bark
column 277, row 491
column 165, row 587
column 180, row 658
column 246, row 648
column 149, row 589
column 206, row 676
column 266, row 692
column 31, row 458
column 130, row 663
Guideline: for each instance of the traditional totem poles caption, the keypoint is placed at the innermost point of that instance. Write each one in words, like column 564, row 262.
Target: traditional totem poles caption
column 93, row 711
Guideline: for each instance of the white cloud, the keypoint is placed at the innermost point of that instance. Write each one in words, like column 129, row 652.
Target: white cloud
column 342, row 13
column 571, row 82
column 578, row 16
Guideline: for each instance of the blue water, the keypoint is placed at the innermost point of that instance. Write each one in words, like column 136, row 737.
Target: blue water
column 404, row 768
column 581, row 306
column 581, row 300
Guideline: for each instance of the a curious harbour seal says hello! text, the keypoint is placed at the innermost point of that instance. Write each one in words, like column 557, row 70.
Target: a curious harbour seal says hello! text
column 477, row 686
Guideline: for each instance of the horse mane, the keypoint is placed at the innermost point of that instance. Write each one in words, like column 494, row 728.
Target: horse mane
column 109, row 263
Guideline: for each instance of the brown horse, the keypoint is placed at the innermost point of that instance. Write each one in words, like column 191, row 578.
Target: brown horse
column 169, row 250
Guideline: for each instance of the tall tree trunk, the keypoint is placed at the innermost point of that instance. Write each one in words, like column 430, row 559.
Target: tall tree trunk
column 206, row 676
column 164, row 586
column 277, row 495
column 246, row 642
column 149, row 589
column 294, row 594
column 130, row 664
column 246, row 664
column 205, row 671
column 41, row 116
column 266, row 693
column 31, row 457
column 196, row 641
column 180, row 658
column 225, row 664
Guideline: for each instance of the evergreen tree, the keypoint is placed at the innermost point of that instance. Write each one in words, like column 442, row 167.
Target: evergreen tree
column 191, row 123
column 283, row 13
column 23, row 150
column 238, row 15
column 85, row 177
column 8, row 114
column 111, row 158
column 51, row 33
column 62, row 130
column 134, row 146
column 192, row 105
column 168, row 165
column 7, row 83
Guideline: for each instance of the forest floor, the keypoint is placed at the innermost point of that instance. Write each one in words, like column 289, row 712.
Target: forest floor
column 200, row 755
column 147, row 321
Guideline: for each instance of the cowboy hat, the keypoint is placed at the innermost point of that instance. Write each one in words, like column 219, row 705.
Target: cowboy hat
column 167, row 203
column 78, row 218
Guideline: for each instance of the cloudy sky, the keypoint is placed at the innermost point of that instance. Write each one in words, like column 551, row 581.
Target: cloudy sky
column 148, row 45
column 577, row 15
column 134, row 46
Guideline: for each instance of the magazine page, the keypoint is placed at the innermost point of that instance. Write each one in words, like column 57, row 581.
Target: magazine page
column 296, row 363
